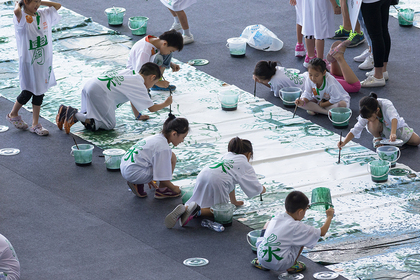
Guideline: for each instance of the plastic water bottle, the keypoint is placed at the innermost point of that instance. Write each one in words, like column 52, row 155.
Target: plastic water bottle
column 3, row 276
column 212, row 225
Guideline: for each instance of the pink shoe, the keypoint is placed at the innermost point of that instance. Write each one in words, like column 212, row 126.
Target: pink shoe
column 307, row 59
column 38, row 129
column 300, row 50
column 17, row 122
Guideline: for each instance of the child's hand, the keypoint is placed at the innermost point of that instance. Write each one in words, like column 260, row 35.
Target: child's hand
column 175, row 67
column 330, row 212
column 292, row 2
column 299, row 102
column 340, row 144
column 392, row 137
column 238, row 203
column 153, row 184
column 168, row 101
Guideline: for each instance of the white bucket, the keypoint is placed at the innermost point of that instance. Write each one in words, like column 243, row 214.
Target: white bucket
column 113, row 158
column 389, row 153
column 237, row 46
column 228, row 99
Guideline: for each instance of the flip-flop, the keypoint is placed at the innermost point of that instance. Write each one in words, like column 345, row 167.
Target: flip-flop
column 297, row 268
column 330, row 57
column 257, row 264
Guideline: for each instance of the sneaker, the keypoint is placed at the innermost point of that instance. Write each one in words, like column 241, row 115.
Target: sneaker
column 173, row 217
column 39, row 130
column 61, row 116
column 307, row 59
column 356, row 39
column 89, row 126
column 367, row 64
column 188, row 39
column 137, row 189
column 371, row 73
column 189, row 214
column 257, row 264
column 165, row 193
column 341, row 33
column 300, row 50
column 371, row 81
column 176, row 26
column 312, row 113
column 362, row 57
column 70, row 118
column 155, row 87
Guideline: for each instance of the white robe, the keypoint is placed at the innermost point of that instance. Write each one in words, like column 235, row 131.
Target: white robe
column 318, row 19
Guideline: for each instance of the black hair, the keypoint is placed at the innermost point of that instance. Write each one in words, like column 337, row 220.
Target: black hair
column 318, row 64
column 368, row 105
column 265, row 69
column 22, row 3
column 296, row 200
column 240, row 146
column 150, row 68
column 173, row 38
column 172, row 123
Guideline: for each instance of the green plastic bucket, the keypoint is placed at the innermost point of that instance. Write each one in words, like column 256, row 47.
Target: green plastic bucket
column 82, row 154
column 389, row 153
column 379, row 170
column 321, row 199
column 186, row 193
column 237, row 46
column 138, row 25
column 223, row 213
column 340, row 116
column 228, row 99
column 113, row 158
column 251, row 237
column 115, row 15
column 288, row 95
column 405, row 17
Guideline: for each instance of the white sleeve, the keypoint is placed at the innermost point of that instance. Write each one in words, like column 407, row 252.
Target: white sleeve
column 140, row 99
column 336, row 92
column 305, row 235
column 52, row 13
column 307, row 93
column 248, row 181
column 162, row 167
column 389, row 110
column 358, row 127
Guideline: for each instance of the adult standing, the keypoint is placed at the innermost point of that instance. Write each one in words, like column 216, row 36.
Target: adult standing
column 376, row 16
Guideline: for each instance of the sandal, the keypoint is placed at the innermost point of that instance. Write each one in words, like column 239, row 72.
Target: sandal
column 38, row 129
column 337, row 47
column 17, row 122
column 257, row 264
column 376, row 142
column 137, row 189
column 297, row 268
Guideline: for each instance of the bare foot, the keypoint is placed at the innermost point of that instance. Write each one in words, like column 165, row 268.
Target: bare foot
column 144, row 117
column 238, row 203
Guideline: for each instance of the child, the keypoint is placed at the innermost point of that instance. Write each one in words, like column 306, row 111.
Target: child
column 299, row 48
column 9, row 262
column 177, row 7
column 34, row 42
column 157, row 50
column 317, row 25
column 381, row 119
column 151, row 160
column 216, row 183
column 283, row 238
column 101, row 96
column 322, row 90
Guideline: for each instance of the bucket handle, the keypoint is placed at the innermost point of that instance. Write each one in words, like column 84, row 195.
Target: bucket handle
column 374, row 176
column 398, row 11
column 252, row 246
column 291, row 102
column 115, row 12
column 398, row 157
column 129, row 26
column 351, row 113
column 239, row 99
column 71, row 153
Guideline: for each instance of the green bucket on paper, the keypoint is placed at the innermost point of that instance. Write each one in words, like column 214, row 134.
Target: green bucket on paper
column 389, row 153
column 288, row 95
column 138, row 25
column 82, row 154
column 251, row 237
column 115, row 15
column 405, row 17
column 379, row 170
column 228, row 99
column 340, row 116
column 223, row 213
column 321, row 199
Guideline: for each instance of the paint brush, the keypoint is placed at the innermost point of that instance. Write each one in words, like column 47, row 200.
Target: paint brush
column 75, row 142
column 294, row 112
column 255, row 88
column 261, row 197
column 170, row 94
column 339, row 151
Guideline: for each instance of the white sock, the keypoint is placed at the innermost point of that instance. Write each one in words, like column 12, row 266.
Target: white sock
column 176, row 19
column 80, row 117
column 187, row 32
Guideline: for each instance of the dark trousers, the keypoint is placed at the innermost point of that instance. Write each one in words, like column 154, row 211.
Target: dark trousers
column 376, row 16
column 25, row 96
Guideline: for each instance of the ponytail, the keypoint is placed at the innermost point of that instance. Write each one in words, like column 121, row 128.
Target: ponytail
column 240, row 146
column 368, row 105
column 172, row 123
